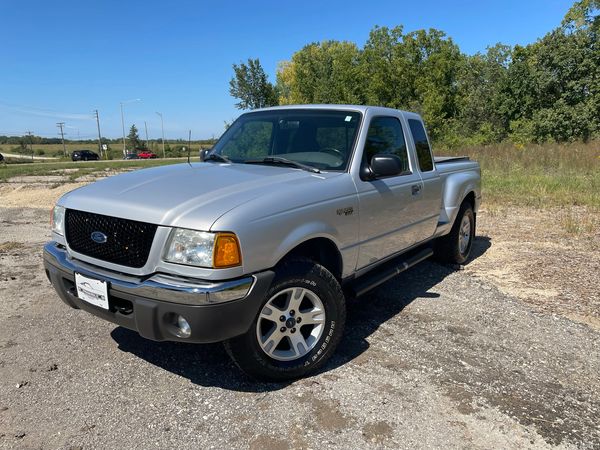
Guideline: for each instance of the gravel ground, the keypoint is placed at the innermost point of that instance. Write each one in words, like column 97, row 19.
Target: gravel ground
column 434, row 358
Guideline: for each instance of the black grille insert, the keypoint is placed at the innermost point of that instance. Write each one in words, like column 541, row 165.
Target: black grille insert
column 127, row 242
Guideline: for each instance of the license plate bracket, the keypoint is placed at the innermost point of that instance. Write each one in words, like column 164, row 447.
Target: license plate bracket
column 92, row 291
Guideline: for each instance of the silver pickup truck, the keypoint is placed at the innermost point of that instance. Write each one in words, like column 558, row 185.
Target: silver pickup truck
column 259, row 244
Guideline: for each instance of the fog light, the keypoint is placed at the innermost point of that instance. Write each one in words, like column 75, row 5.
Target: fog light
column 183, row 328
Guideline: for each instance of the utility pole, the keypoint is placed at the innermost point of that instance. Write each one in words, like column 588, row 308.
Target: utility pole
column 190, row 140
column 162, row 126
column 123, row 125
column 146, row 127
column 62, row 136
column 30, row 144
column 99, row 135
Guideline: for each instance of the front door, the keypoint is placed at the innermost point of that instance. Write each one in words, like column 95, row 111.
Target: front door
column 389, row 208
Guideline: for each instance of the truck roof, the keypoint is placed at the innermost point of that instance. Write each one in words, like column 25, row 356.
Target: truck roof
column 360, row 108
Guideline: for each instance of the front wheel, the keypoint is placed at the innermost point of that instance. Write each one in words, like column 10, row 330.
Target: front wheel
column 298, row 326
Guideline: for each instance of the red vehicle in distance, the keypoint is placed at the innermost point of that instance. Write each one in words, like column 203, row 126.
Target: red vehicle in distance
column 146, row 154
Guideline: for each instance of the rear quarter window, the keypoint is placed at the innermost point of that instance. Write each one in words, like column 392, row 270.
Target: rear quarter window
column 421, row 145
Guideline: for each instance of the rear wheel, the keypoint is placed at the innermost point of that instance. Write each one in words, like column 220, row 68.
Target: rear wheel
column 298, row 327
column 455, row 247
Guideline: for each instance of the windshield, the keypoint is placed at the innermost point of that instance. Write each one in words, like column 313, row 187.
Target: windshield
column 319, row 138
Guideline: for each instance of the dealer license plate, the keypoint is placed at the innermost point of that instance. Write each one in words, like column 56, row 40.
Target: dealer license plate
column 92, row 291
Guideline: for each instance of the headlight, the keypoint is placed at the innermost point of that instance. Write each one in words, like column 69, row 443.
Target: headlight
column 58, row 220
column 203, row 249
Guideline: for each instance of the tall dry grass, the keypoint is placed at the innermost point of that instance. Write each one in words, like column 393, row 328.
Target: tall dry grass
column 539, row 175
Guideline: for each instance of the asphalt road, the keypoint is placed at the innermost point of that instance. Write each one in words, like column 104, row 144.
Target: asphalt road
column 434, row 358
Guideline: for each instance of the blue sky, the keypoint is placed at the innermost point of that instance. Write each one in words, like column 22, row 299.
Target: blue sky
column 62, row 59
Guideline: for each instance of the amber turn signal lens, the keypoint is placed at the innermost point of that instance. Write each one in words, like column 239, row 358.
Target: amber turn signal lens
column 227, row 251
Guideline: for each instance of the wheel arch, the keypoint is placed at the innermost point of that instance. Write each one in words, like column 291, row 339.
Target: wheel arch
column 322, row 250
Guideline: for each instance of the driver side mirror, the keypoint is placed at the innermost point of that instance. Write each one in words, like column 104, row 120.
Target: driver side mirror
column 385, row 165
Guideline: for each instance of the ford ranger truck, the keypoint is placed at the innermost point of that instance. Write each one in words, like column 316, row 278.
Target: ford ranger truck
column 259, row 244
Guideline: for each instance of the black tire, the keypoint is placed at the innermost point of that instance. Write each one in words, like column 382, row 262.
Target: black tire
column 448, row 248
column 246, row 351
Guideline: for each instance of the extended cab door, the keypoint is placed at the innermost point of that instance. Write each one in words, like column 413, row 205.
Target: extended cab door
column 391, row 213
column 430, row 202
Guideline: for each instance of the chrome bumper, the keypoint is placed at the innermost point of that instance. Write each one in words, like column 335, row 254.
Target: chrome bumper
column 162, row 287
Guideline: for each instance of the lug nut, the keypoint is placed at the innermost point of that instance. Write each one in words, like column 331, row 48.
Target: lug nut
column 282, row 318
column 282, row 329
column 293, row 330
column 292, row 312
column 299, row 319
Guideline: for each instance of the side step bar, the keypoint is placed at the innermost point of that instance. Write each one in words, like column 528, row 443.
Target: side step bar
column 387, row 271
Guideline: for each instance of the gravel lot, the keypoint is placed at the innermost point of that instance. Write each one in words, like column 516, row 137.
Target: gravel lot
column 434, row 358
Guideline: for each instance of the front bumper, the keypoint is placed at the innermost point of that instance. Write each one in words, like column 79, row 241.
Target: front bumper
column 215, row 311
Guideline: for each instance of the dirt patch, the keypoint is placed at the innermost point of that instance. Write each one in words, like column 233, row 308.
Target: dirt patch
column 7, row 247
column 34, row 195
column 533, row 257
column 264, row 442
column 327, row 413
column 377, row 432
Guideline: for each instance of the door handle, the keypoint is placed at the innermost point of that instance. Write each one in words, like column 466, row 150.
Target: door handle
column 416, row 189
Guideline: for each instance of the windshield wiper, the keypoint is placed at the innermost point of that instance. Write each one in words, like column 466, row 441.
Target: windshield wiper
column 217, row 157
column 276, row 160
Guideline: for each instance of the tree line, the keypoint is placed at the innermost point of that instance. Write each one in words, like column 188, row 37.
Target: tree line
column 545, row 91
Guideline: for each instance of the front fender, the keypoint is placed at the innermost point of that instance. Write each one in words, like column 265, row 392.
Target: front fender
column 304, row 233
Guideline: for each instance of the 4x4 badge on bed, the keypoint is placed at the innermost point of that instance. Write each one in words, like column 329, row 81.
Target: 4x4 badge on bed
column 98, row 237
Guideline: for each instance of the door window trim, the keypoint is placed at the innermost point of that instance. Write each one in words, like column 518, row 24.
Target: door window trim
column 420, row 121
column 410, row 170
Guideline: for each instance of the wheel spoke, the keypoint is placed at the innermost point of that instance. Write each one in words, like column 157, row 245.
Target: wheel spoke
column 272, row 340
column 298, row 344
column 270, row 312
column 295, row 299
column 314, row 317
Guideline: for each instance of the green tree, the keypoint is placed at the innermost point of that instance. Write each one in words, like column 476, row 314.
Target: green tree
column 480, row 119
column 385, row 69
column 548, row 90
column 251, row 86
column 325, row 72
column 583, row 13
column 435, row 61
column 133, row 139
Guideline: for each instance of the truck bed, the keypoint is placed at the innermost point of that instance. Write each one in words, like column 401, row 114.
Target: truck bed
column 446, row 159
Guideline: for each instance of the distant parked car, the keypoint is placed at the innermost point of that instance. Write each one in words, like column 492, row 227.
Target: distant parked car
column 131, row 156
column 146, row 154
column 84, row 155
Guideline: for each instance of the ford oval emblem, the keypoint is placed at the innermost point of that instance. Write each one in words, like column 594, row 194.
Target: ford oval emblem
column 98, row 237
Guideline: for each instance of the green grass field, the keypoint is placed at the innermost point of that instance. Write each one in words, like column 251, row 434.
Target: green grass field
column 52, row 168
column 539, row 175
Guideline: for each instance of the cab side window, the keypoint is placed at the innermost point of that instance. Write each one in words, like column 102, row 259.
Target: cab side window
column 421, row 145
column 385, row 135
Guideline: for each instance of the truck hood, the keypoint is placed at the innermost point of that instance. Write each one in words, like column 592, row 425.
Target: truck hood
column 186, row 195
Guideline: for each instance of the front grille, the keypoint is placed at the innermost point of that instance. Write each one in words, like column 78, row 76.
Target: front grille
column 127, row 242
